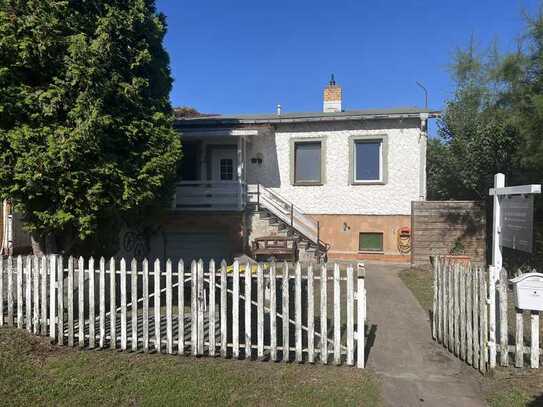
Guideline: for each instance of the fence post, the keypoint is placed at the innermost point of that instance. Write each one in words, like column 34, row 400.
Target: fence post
column 534, row 342
column 60, row 292
column 324, row 317
column 20, row 293
column 52, row 297
column 434, row 302
column 70, row 301
column 504, row 336
column 180, row 307
column 492, row 278
column 273, row 312
column 134, row 295
column 361, row 318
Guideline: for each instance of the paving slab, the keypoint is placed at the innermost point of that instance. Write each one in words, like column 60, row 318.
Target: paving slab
column 414, row 370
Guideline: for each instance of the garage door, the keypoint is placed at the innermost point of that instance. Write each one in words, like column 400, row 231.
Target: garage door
column 196, row 245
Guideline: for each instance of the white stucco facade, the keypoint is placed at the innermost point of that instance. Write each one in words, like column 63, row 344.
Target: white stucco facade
column 405, row 166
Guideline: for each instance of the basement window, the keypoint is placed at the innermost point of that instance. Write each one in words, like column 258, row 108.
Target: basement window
column 307, row 163
column 370, row 242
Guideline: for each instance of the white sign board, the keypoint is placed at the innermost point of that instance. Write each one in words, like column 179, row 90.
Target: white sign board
column 517, row 217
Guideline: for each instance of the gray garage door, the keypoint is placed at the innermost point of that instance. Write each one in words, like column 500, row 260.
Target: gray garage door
column 196, row 245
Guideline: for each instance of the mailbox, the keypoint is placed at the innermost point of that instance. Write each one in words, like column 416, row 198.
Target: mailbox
column 528, row 291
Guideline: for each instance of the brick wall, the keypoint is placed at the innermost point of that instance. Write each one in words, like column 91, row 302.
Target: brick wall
column 437, row 225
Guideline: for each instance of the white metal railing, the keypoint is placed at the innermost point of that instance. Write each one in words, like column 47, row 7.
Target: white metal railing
column 209, row 195
column 284, row 210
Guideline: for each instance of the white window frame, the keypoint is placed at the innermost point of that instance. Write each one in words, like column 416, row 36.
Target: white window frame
column 383, row 162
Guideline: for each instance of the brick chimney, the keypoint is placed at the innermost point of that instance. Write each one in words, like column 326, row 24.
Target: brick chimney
column 332, row 97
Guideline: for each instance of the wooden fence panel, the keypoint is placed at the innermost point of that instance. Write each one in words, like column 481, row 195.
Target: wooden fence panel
column 273, row 313
column 134, row 301
column 43, row 272
column 296, row 309
column 248, row 294
column 20, row 295
column 324, row 317
column 212, row 308
column 112, row 304
column 504, row 334
column 286, row 324
column 28, row 293
column 469, row 315
column 52, row 296
column 337, row 316
column 169, row 328
column 123, row 305
column 156, row 304
column 60, row 300
column 361, row 319
column 145, row 305
column 260, row 311
column 180, row 307
column 92, row 314
column 81, row 302
column 102, row 306
column 10, row 292
column 224, row 310
column 235, row 312
column 310, row 315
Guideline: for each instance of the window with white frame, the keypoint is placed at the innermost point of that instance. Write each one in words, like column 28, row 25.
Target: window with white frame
column 368, row 160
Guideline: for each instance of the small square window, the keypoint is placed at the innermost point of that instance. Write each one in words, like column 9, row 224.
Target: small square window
column 307, row 162
column 368, row 161
column 370, row 242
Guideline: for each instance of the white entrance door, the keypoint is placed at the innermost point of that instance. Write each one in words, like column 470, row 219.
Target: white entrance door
column 224, row 165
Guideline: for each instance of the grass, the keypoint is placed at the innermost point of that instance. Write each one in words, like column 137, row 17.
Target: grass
column 34, row 372
column 419, row 281
column 504, row 387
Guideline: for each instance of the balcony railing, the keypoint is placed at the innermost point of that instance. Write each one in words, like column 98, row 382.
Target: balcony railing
column 210, row 195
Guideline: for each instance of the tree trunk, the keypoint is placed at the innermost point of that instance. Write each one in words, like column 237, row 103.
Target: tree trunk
column 43, row 245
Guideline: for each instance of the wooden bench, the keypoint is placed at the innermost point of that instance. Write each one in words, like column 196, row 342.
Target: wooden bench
column 278, row 247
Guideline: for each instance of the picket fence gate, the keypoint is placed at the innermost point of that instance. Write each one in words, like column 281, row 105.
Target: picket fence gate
column 471, row 316
column 286, row 312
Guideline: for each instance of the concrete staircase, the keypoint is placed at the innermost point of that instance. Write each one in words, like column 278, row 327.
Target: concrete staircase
column 272, row 215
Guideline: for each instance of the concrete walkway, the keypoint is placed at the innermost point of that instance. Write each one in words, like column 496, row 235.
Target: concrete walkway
column 414, row 370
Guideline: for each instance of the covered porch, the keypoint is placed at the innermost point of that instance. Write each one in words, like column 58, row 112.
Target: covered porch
column 213, row 170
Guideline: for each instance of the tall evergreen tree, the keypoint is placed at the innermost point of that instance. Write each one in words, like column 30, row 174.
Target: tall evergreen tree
column 86, row 133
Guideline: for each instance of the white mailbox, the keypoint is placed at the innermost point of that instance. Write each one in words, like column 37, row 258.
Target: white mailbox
column 528, row 291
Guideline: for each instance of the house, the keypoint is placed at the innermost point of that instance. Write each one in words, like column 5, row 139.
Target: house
column 339, row 181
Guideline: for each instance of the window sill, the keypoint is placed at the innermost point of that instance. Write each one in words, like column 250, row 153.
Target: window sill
column 308, row 184
column 370, row 252
column 368, row 183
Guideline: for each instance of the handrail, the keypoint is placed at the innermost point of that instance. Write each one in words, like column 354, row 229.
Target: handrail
column 287, row 212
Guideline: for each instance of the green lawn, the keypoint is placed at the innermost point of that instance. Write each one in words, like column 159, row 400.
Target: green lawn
column 504, row 387
column 419, row 281
column 34, row 372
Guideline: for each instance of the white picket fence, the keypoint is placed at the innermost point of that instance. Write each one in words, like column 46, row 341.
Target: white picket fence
column 460, row 311
column 471, row 317
column 232, row 312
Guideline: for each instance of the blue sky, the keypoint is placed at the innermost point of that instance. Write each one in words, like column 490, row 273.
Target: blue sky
column 248, row 56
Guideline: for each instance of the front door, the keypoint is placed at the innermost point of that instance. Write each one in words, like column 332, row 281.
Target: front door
column 224, row 165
